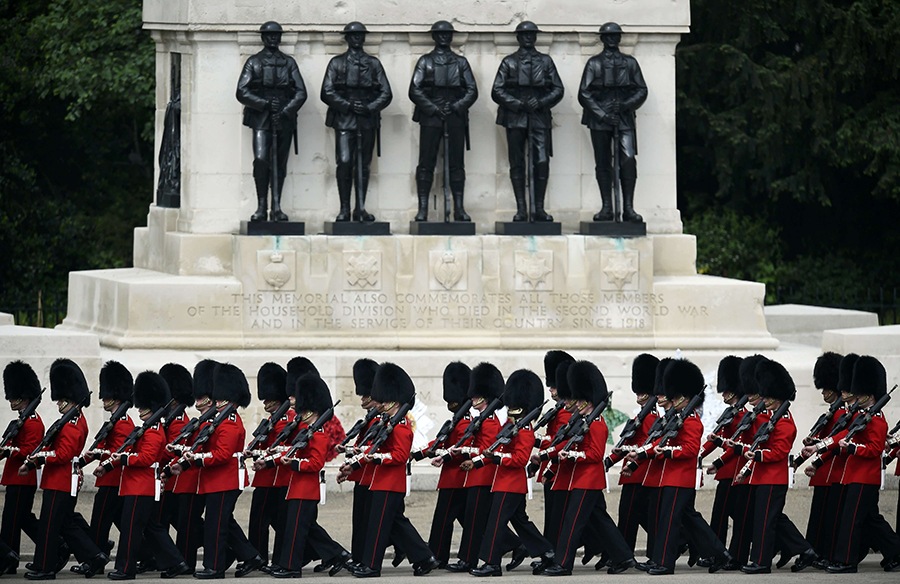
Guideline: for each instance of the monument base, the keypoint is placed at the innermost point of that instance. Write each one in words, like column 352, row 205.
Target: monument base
column 613, row 228
column 273, row 228
column 357, row 228
column 441, row 228
column 528, row 228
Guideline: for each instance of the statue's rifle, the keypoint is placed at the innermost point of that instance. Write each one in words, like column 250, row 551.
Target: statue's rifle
column 12, row 430
column 531, row 186
column 446, row 173
column 444, row 433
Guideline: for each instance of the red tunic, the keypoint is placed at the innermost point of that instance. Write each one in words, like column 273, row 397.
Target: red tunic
column 727, row 471
column 266, row 476
column 390, row 459
column 363, row 475
column 820, row 479
column 68, row 444
column 677, row 467
column 486, row 435
column 640, row 436
column 113, row 442
column 864, row 460
column 303, row 475
column 219, row 472
column 585, row 469
column 172, row 432
column 26, row 441
column 510, row 475
column 771, row 462
column 189, row 480
column 559, row 420
column 453, row 477
column 138, row 474
column 282, row 473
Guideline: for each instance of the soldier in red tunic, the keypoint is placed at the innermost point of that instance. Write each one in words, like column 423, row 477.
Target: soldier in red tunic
column 69, row 389
column 21, row 386
column 181, row 387
column 522, row 394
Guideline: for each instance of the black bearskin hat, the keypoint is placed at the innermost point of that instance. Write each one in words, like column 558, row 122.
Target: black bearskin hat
column 551, row 362
column 774, row 381
column 682, row 378
column 116, row 382
column 563, row 390
column 523, row 392
column 20, row 381
column 67, row 382
column 728, row 377
column 659, row 387
column 204, row 372
column 747, row 373
column 297, row 368
column 312, row 394
column 392, row 384
column 845, row 375
column 363, row 376
column 151, row 391
column 643, row 373
column 586, row 382
column 270, row 383
column 181, row 386
column 230, row 384
column 456, row 382
column 827, row 371
column 869, row 377
column 486, row 381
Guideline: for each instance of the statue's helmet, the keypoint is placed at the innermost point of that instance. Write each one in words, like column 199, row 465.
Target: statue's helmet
column 271, row 26
column 610, row 28
column 442, row 26
column 355, row 27
column 527, row 26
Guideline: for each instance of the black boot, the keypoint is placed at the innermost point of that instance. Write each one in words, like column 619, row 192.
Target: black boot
column 628, row 213
column 423, row 188
column 363, row 215
column 540, row 191
column 277, row 214
column 606, row 212
column 344, row 187
column 519, row 193
column 459, row 212
column 261, row 210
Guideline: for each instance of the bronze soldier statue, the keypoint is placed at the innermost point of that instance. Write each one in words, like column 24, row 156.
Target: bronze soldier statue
column 355, row 89
column 443, row 89
column 272, row 91
column 526, row 87
column 612, row 88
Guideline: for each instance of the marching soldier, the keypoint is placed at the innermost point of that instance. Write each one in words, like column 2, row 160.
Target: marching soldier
column 485, row 386
column 391, row 389
column 526, row 87
column 442, row 89
column 21, row 386
column 521, row 396
column 59, row 480
column 355, row 89
column 451, row 501
column 139, row 486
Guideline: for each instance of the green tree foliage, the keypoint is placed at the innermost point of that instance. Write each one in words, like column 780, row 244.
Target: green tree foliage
column 76, row 152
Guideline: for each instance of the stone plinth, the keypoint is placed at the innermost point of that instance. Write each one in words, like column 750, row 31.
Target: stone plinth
column 797, row 323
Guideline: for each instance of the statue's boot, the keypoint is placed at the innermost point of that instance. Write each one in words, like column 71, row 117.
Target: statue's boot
column 606, row 212
column 540, row 191
column 628, row 212
column 261, row 178
column 518, row 185
column 345, row 185
column 363, row 215
column 277, row 214
column 423, row 188
column 459, row 212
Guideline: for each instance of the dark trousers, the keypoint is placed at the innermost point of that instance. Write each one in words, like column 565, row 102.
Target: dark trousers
column 722, row 510
column 262, row 158
column 345, row 153
column 301, row 514
column 320, row 545
column 678, row 521
column 221, row 532
column 742, row 533
column 190, row 526
column 167, row 509
column 450, row 508
column 652, row 518
column 509, row 508
column 815, row 527
column 517, row 140
column 360, row 517
column 140, row 526
column 589, row 507
column 57, row 520
column 633, row 512
column 861, row 522
column 280, row 527
column 478, row 505
column 554, row 512
column 772, row 527
column 387, row 524
column 264, row 509
column 834, row 500
column 18, row 516
column 602, row 141
column 430, row 139
column 106, row 511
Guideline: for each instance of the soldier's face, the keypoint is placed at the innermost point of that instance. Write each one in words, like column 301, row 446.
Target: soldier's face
column 271, row 39
column 145, row 414
column 17, row 404
column 611, row 40
column 442, row 39
column 356, row 39
column 527, row 39
column 271, row 406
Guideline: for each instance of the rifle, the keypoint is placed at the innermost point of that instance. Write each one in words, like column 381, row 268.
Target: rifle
column 476, row 424
column 188, row 429
column 266, row 426
column 136, row 434
column 58, row 425
column 305, row 435
column 585, row 425
column 632, row 425
column 359, row 426
column 174, row 414
column 360, row 198
column 617, row 217
column 510, row 431
column 860, row 422
column 446, row 173
column 748, row 419
column 202, row 438
column 841, row 423
column 730, row 413
column 444, row 433
column 383, row 434
column 563, row 434
column 549, row 415
column 15, row 425
column 531, row 187
column 670, row 429
column 824, row 418
column 104, row 431
column 762, row 435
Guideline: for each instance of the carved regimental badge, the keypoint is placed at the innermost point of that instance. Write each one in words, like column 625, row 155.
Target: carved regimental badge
column 276, row 270
column 534, row 270
column 620, row 270
column 362, row 270
column 448, row 269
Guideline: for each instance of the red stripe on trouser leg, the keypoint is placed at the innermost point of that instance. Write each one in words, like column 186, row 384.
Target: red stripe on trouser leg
column 474, row 513
column 569, row 541
column 440, row 544
column 496, row 527
column 131, row 534
column 47, row 535
column 762, row 542
column 668, row 529
column 378, row 535
column 852, row 525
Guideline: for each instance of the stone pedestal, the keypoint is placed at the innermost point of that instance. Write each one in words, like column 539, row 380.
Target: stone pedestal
column 355, row 228
column 613, row 228
column 273, row 228
column 451, row 228
column 538, row 228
